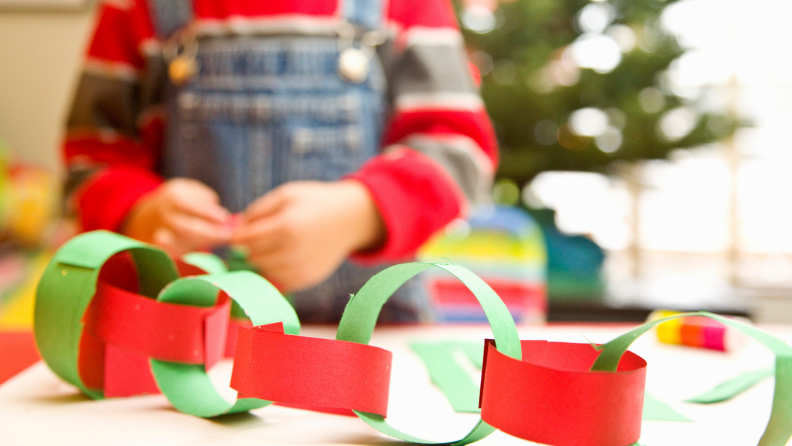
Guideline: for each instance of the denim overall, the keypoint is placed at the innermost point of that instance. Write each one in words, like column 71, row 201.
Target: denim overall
column 266, row 110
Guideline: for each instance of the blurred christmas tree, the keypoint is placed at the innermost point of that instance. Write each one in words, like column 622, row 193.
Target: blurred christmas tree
column 577, row 84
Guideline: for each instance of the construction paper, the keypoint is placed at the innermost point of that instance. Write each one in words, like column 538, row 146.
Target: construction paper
column 68, row 285
column 455, row 383
column 308, row 371
column 552, row 397
column 779, row 428
column 733, row 387
column 187, row 386
column 656, row 410
column 463, row 395
column 18, row 350
column 234, row 325
column 126, row 373
column 171, row 332
column 360, row 317
column 474, row 352
column 207, row 263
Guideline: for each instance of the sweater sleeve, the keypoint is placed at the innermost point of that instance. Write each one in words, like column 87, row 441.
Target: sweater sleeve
column 114, row 128
column 440, row 150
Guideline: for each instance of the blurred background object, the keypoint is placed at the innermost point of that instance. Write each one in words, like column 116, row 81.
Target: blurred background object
column 649, row 134
column 505, row 247
column 29, row 230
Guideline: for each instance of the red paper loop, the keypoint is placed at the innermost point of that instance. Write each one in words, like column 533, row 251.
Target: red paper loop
column 313, row 372
column 159, row 330
column 551, row 396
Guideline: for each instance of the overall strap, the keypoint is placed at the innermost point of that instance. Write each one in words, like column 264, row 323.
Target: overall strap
column 366, row 14
column 169, row 16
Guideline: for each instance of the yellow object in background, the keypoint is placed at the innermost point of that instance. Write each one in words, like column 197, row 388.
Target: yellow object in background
column 700, row 332
column 668, row 332
column 30, row 204
column 16, row 305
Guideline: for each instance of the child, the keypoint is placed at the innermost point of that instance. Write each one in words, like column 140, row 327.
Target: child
column 335, row 128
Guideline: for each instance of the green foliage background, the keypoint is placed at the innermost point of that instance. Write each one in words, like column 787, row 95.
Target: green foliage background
column 529, row 35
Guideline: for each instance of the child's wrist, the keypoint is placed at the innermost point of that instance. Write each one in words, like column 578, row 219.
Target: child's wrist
column 140, row 220
column 368, row 226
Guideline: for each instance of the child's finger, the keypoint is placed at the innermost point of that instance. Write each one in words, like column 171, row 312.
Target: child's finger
column 261, row 235
column 196, row 233
column 201, row 208
column 266, row 205
column 165, row 239
column 277, row 269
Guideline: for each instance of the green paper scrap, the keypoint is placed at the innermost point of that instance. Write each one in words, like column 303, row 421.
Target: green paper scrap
column 474, row 351
column 733, row 387
column 455, row 383
column 68, row 285
column 779, row 428
column 187, row 386
column 360, row 317
column 656, row 410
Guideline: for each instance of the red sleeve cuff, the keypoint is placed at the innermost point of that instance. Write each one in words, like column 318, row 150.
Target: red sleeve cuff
column 106, row 199
column 415, row 198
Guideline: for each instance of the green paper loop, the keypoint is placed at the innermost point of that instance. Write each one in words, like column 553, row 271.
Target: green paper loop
column 187, row 386
column 360, row 317
column 68, row 285
column 206, row 261
column 779, row 428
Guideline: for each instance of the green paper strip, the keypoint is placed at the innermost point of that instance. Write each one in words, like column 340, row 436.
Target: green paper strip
column 455, row 383
column 187, row 386
column 656, row 410
column 68, row 285
column 733, row 387
column 206, row 261
column 360, row 317
column 779, row 428
column 474, row 352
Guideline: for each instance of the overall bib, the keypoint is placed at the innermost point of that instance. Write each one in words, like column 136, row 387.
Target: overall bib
column 264, row 110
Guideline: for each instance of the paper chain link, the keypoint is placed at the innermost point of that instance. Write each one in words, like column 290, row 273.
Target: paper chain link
column 345, row 373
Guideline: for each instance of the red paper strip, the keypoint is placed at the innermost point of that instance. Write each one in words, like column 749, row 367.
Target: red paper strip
column 127, row 374
column 164, row 331
column 233, row 331
column 18, row 352
column 551, row 396
column 311, row 372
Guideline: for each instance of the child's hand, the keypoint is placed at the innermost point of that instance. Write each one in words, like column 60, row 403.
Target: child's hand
column 298, row 234
column 181, row 216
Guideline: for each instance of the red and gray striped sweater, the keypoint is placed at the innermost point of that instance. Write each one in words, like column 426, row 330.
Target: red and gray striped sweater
column 439, row 151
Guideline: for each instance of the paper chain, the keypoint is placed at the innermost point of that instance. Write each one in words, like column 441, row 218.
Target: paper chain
column 89, row 309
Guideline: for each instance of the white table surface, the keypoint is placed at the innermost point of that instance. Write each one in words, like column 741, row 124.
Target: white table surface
column 36, row 408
